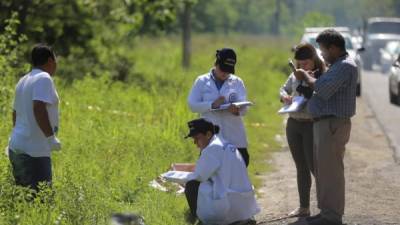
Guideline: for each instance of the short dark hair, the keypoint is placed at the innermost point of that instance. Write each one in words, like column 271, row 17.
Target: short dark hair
column 41, row 54
column 331, row 37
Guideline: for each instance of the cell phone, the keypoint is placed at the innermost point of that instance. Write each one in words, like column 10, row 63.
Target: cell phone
column 291, row 65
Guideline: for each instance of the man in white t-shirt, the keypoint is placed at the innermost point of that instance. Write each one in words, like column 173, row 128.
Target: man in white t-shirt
column 35, row 121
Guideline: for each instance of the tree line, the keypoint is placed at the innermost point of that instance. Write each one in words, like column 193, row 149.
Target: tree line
column 99, row 32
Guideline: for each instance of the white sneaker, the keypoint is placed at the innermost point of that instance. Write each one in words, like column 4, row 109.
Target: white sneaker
column 300, row 212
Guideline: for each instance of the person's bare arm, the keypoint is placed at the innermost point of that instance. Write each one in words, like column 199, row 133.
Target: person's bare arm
column 14, row 117
column 42, row 117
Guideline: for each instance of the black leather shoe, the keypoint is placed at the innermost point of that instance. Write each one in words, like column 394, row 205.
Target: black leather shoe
column 311, row 218
column 323, row 221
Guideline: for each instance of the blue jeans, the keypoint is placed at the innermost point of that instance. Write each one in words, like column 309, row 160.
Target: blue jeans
column 29, row 171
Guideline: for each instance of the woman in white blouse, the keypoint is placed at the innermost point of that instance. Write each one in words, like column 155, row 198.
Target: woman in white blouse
column 299, row 127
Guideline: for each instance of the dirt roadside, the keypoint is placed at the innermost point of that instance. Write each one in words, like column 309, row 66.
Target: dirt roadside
column 372, row 179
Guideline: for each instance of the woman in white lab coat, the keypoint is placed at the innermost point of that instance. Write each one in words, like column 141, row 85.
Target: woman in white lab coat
column 219, row 190
column 217, row 87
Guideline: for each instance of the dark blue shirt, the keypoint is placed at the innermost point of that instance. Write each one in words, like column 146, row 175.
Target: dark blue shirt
column 335, row 91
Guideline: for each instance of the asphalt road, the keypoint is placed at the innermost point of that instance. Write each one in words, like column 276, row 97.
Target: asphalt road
column 375, row 91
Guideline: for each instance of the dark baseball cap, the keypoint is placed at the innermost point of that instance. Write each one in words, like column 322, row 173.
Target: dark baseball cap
column 199, row 126
column 226, row 59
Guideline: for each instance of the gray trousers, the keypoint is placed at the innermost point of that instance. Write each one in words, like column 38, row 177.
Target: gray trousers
column 299, row 135
column 330, row 137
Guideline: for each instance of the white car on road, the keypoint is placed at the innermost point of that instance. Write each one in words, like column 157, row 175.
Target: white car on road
column 389, row 55
column 394, row 82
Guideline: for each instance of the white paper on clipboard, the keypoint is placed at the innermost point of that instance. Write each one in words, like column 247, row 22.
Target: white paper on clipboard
column 297, row 104
column 180, row 177
column 238, row 104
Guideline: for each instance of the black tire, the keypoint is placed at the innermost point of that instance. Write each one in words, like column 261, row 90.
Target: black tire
column 358, row 90
column 398, row 94
column 392, row 97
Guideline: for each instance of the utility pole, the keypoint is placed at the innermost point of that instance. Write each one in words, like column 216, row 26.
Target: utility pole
column 186, row 34
column 276, row 20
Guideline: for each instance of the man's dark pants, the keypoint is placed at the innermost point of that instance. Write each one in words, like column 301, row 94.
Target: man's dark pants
column 30, row 171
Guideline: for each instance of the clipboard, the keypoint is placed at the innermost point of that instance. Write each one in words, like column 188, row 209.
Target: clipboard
column 238, row 104
column 180, row 177
column 297, row 104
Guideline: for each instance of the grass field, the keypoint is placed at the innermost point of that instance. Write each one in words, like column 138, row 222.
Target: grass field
column 117, row 137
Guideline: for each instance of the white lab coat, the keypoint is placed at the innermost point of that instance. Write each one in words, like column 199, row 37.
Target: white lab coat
column 204, row 92
column 225, row 193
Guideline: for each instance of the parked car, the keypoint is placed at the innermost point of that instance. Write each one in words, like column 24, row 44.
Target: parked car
column 378, row 31
column 389, row 55
column 357, row 39
column 310, row 36
column 394, row 82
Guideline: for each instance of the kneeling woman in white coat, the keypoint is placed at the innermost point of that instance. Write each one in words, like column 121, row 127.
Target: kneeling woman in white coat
column 219, row 190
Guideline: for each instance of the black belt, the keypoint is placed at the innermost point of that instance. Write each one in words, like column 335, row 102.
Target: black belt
column 324, row 117
column 302, row 120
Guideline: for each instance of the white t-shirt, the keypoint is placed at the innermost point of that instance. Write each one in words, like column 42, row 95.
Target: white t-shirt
column 27, row 137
